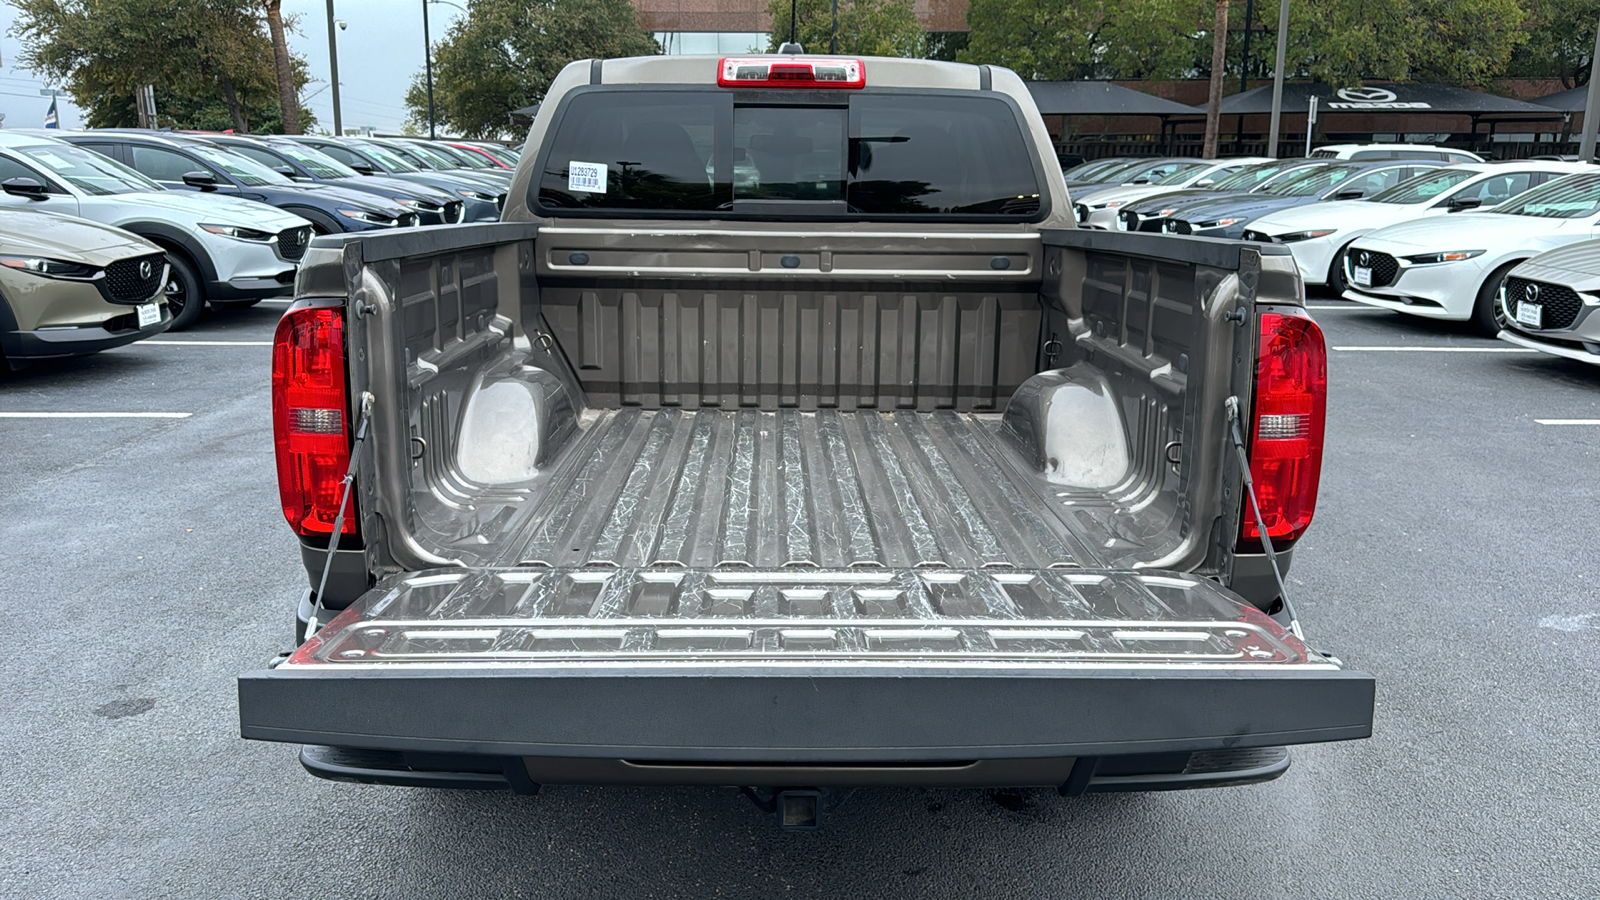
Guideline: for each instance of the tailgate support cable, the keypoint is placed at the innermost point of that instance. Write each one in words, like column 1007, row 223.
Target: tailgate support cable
column 1234, row 416
column 344, row 502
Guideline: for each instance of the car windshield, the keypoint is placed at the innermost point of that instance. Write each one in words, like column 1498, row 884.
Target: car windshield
column 414, row 156
column 1111, row 174
column 319, row 164
column 1423, row 187
column 246, row 171
column 436, row 156
column 1088, row 170
column 505, row 154
column 1574, row 197
column 1252, row 176
column 1181, row 175
column 87, row 170
column 1148, row 171
column 385, row 157
column 1311, row 183
column 464, row 159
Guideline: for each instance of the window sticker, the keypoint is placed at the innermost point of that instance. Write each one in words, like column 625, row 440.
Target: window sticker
column 52, row 160
column 588, row 177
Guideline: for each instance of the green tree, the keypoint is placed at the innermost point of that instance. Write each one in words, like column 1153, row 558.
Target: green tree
column 503, row 54
column 1068, row 40
column 201, row 56
column 1560, row 41
column 866, row 27
column 1461, row 42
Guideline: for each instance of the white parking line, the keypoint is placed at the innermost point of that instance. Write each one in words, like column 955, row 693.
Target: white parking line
column 94, row 415
column 277, row 301
column 1345, row 307
column 1568, row 421
column 211, row 343
column 1380, row 349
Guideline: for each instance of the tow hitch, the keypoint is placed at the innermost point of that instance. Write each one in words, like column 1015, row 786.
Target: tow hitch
column 797, row 809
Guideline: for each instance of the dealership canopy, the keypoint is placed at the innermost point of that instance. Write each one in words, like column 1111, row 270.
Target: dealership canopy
column 1574, row 100
column 1379, row 98
column 1100, row 98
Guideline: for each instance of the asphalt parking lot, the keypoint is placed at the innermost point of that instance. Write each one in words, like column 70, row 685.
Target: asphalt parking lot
column 146, row 564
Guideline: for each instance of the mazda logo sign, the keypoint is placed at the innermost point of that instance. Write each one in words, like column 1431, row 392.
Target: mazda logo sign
column 1365, row 259
column 1366, row 95
column 146, row 270
column 1531, row 293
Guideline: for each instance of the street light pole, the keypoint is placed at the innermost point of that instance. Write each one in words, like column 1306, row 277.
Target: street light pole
column 333, row 70
column 1591, row 112
column 1277, row 78
column 427, row 59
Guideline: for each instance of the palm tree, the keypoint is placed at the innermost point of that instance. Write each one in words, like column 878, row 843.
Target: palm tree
column 1219, row 55
column 287, row 97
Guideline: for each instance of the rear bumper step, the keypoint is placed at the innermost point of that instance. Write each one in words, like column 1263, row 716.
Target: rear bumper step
column 1137, row 772
column 804, row 667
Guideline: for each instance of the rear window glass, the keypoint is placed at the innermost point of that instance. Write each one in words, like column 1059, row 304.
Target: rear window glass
column 865, row 155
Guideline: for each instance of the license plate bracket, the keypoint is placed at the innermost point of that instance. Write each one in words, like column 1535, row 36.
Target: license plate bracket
column 1530, row 314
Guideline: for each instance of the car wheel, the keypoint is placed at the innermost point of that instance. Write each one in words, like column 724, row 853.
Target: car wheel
column 1487, row 316
column 186, row 296
column 1336, row 282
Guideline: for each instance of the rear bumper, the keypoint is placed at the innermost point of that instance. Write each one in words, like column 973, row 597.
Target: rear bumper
column 1144, row 772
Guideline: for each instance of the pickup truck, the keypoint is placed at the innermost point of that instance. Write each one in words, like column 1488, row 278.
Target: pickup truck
column 787, row 434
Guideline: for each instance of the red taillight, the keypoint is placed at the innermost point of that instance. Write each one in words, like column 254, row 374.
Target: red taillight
column 311, row 419
column 1290, row 406
column 790, row 72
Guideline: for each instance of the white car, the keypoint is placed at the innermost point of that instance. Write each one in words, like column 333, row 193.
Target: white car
column 1098, row 208
column 1394, row 151
column 1552, row 303
column 219, row 249
column 1318, row 234
column 1451, row 267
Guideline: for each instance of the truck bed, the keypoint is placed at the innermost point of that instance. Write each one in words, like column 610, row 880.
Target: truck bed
column 766, row 489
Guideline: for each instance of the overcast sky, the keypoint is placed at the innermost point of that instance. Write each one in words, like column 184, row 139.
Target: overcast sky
column 378, row 54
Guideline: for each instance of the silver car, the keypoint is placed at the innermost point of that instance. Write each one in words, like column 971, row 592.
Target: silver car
column 1552, row 303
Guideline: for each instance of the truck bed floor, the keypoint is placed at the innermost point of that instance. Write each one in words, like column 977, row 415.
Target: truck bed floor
column 769, row 489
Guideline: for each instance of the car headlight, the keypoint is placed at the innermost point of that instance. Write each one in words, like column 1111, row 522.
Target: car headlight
column 404, row 201
column 1224, row 223
column 1109, row 204
column 50, row 268
column 1293, row 236
column 1163, row 213
column 239, row 232
column 475, row 195
column 1423, row 259
column 371, row 218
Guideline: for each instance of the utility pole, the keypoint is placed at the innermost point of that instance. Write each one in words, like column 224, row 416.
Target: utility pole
column 1277, row 78
column 1591, row 112
column 1219, row 53
column 333, row 70
column 427, row 61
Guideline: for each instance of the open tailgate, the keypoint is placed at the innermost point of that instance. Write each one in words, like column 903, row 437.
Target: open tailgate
column 803, row 665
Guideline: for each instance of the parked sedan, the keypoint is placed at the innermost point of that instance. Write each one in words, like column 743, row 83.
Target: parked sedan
column 1141, row 171
column 1552, row 303
column 1319, row 234
column 302, row 163
column 1098, row 208
column 369, row 158
column 181, row 163
column 221, row 250
column 70, row 287
column 1151, row 213
column 1226, row 217
column 1452, row 267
